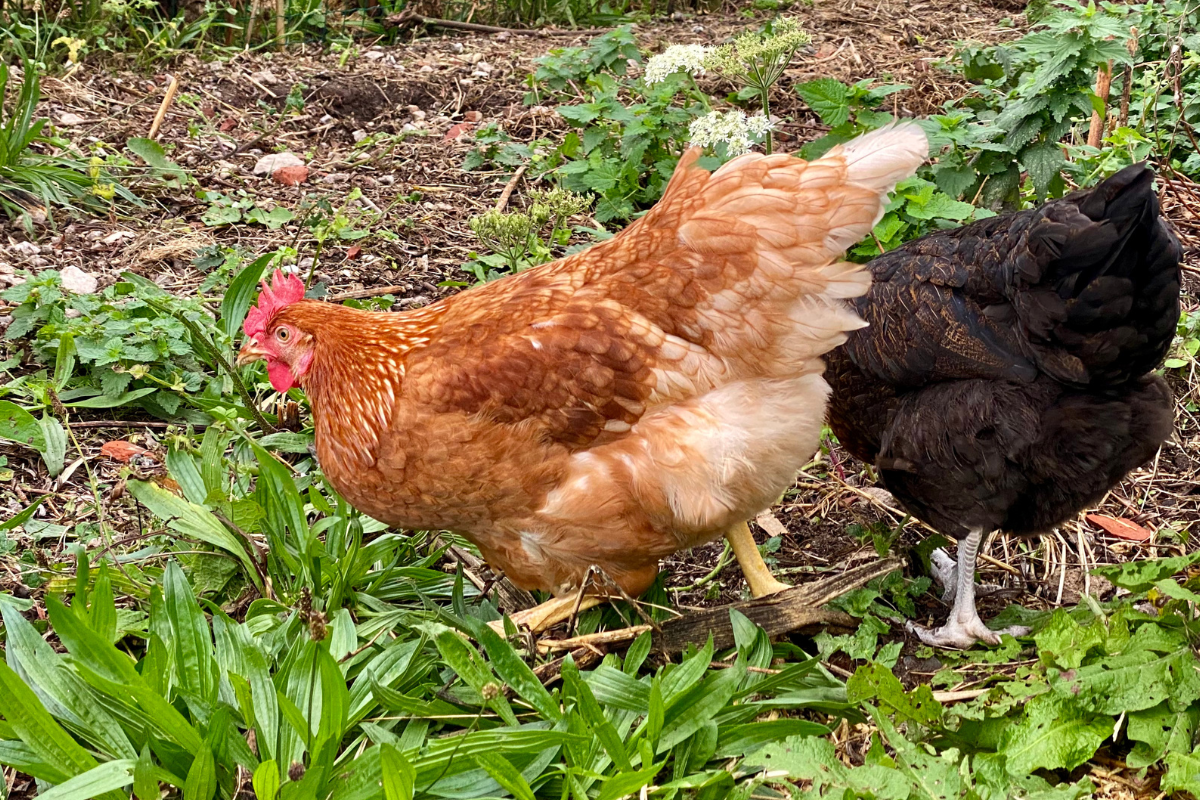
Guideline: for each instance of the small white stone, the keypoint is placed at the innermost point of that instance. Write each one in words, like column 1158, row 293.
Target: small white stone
column 72, row 313
column 24, row 248
column 76, row 281
column 67, row 118
column 374, row 55
column 117, row 236
column 456, row 47
column 359, row 136
column 269, row 164
column 265, row 77
column 426, row 68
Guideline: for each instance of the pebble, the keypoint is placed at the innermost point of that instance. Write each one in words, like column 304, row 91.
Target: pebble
column 265, row 77
column 5, row 321
column 359, row 136
column 72, row 313
column 77, row 281
column 269, row 164
column 24, row 248
column 335, row 177
column 426, row 68
column 67, row 118
column 387, row 180
column 456, row 48
column 374, row 55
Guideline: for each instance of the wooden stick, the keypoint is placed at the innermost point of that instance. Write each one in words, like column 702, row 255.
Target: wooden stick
column 1103, row 85
column 168, row 98
column 280, row 23
column 362, row 294
column 793, row 609
column 1127, row 77
column 509, row 187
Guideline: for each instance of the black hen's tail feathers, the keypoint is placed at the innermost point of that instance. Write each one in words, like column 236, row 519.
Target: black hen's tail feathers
column 1096, row 287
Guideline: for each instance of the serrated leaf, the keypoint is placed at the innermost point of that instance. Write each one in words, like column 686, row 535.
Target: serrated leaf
column 828, row 98
column 1043, row 161
column 873, row 681
column 1138, row 576
column 1053, row 735
column 1183, row 773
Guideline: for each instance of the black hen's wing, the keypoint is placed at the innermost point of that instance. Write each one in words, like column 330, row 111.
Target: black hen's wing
column 1096, row 284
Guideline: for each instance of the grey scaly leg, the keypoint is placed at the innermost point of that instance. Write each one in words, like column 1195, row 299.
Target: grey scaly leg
column 964, row 627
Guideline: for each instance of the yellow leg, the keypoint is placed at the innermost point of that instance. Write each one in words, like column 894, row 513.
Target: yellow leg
column 758, row 576
column 548, row 614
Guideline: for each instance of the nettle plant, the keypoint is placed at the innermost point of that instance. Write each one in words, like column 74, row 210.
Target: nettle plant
column 1033, row 92
column 109, row 349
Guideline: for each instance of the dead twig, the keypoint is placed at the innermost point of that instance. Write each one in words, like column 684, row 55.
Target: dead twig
column 168, row 98
column 509, row 187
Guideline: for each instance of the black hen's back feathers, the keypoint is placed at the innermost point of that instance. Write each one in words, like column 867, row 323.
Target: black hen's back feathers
column 1003, row 381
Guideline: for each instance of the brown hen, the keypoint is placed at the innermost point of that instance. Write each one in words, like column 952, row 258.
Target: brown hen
column 608, row 409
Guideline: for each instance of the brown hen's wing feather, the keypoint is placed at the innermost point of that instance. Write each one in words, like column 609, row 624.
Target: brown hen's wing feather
column 732, row 275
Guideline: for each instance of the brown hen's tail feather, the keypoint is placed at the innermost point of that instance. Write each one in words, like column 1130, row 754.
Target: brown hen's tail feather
column 762, row 241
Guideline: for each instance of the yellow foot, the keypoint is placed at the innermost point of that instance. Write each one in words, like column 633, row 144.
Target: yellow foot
column 758, row 576
column 548, row 614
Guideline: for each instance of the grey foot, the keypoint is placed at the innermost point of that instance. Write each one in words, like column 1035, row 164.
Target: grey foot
column 962, row 635
column 945, row 572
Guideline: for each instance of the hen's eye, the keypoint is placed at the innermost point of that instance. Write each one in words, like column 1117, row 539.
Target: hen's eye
column 282, row 334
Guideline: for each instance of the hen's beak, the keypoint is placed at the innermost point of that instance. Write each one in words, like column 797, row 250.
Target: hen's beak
column 251, row 351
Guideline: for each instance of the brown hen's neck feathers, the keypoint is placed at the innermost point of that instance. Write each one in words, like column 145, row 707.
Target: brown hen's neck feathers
column 356, row 373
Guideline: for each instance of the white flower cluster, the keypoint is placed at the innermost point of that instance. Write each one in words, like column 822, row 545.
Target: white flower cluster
column 687, row 58
column 734, row 128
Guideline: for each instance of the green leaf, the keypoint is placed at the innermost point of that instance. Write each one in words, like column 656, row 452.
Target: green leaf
column 201, row 783
column 1065, row 643
column 153, row 154
column 1183, row 773
column 1053, row 735
column 1158, row 731
column 99, row 781
column 31, row 722
column 22, row 516
column 194, row 667
column 55, row 435
column 114, row 672
column 240, row 296
column 1043, row 161
column 626, row 784
column 104, row 401
column 873, row 681
column 829, row 98
column 505, row 774
column 1139, row 576
column 191, row 520
column 517, row 674
column 18, row 425
column 64, row 362
column 266, row 781
column 145, row 783
column 399, row 777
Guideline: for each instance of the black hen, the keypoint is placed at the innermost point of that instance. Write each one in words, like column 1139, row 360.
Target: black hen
column 1006, row 379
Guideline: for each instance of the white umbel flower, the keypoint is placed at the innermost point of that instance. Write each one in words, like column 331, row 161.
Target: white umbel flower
column 687, row 58
column 734, row 128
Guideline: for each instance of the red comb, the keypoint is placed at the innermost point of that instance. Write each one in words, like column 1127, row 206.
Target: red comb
column 283, row 291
